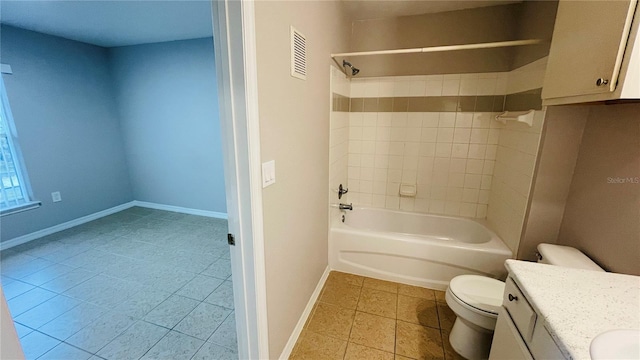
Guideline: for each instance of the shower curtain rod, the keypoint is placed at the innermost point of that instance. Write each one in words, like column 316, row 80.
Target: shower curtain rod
column 444, row 48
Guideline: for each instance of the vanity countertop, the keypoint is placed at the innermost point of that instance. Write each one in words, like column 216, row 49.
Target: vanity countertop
column 577, row 305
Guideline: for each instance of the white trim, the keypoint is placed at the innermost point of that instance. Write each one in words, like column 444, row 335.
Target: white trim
column 254, row 156
column 444, row 48
column 234, row 43
column 288, row 348
column 69, row 224
column 178, row 209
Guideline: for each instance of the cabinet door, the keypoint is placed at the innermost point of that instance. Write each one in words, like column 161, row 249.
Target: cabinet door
column 507, row 343
column 588, row 44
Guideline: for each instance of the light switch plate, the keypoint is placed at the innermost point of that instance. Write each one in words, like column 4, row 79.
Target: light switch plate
column 55, row 196
column 268, row 173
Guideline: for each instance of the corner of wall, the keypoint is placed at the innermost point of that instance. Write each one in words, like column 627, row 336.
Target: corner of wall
column 562, row 137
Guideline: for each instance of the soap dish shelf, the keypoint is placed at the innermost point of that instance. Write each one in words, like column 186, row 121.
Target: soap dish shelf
column 519, row 116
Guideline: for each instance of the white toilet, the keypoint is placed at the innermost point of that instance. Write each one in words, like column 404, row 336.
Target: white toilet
column 476, row 299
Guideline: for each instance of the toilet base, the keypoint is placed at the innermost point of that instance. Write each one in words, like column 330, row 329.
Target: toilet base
column 470, row 341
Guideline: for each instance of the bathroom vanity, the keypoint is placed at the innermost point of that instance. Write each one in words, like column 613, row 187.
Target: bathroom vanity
column 552, row 312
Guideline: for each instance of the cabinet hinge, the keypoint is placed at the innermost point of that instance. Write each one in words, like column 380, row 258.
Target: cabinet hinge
column 231, row 239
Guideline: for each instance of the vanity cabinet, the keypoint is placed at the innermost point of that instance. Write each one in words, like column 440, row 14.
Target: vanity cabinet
column 594, row 53
column 520, row 331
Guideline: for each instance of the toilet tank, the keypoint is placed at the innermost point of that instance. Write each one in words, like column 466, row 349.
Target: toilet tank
column 565, row 256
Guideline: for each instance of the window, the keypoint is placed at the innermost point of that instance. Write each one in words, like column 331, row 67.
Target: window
column 14, row 187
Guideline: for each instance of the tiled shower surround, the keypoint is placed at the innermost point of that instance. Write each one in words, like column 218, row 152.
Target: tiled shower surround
column 439, row 134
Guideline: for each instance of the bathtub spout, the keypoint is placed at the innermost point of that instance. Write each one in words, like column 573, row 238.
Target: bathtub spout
column 345, row 207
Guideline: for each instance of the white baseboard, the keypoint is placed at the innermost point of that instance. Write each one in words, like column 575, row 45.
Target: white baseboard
column 69, row 224
column 179, row 209
column 85, row 219
column 286, row 353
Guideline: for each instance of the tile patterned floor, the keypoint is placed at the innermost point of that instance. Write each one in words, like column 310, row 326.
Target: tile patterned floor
column 140, row 283
column 363, row 318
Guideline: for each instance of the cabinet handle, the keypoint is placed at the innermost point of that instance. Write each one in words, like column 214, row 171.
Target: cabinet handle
column 513, row 298
column 601, row 82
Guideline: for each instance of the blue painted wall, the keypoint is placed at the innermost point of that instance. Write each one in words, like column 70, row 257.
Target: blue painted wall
column 168, row 106
column 62, row 101
column 108, row 126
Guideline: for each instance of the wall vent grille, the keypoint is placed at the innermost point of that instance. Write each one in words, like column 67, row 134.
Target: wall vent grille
column 298, row 54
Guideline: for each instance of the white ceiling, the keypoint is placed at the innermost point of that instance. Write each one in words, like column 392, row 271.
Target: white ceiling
column 376, row 9
column 125, row 22
column 112, row 23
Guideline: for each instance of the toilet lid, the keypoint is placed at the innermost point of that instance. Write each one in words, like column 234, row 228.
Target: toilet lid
column 480, row 292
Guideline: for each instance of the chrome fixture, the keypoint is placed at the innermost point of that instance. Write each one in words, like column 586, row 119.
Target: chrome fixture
column 345, row 206
column 341, row 191
column 354, row 70
column 343, row 218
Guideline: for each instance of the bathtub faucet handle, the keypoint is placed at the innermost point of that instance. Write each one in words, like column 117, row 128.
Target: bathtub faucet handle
column 342, row 191
column 346, row 206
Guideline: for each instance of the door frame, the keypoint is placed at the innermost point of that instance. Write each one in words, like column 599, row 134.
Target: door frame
column 236, row 68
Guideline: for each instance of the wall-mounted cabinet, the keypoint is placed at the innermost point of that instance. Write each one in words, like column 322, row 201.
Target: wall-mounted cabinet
column 595, row 53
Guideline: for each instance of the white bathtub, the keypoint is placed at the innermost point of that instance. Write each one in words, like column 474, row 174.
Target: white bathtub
column 416, row 249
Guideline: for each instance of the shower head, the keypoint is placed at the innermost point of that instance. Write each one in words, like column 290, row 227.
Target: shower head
column 354, row 70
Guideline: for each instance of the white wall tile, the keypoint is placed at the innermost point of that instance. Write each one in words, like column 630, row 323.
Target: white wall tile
column 468, row 209
column 468, row 86
column 447, row 119
column 451, row 157
column 445, row 135
column 358, row 88
column 462, row 135
column 443, row 149
column 464, row 120
column 450, row 87
column 431, row 120
column 486, row 86
column 386, row 89
column 372, row 88
column 434, row 86
column 401, row 88
column 392, row 202
column 417, row 88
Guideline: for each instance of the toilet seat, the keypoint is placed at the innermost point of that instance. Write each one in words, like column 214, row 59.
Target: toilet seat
column 478, row 292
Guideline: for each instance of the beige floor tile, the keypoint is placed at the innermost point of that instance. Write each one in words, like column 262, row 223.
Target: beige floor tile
column 359, row 352
column 387, row 286
column 373, row 331
column 351, row 279
column 400, row 357
column 315, row 346
column 418, row 311
column 341, row 294
column 449, row 353
column 418, row 342
column 440, row 296
column 378, row 302
column 416, row 291
column 331, row 320
column 446, row 315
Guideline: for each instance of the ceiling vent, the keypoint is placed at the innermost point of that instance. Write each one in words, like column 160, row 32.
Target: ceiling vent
column 298, row 55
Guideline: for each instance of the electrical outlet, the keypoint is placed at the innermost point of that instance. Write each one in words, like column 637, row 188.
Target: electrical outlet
column 56, row 197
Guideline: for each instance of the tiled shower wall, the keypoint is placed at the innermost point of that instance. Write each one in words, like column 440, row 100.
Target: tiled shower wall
column 512, row 178
column 438, row 133
column 516, row 158
column 338, row 134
